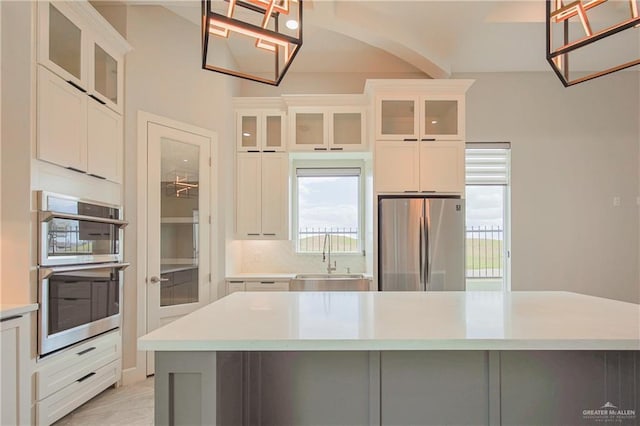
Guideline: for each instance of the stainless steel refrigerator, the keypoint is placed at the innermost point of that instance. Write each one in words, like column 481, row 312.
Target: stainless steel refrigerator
column 421, row 243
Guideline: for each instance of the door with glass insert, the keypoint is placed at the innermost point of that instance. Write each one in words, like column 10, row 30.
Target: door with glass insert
column 178, row 217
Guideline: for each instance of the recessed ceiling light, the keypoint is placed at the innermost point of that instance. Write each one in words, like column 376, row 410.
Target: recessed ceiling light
column 434, row 121
column 292, row 24
column 185, row 161
column 246, row 134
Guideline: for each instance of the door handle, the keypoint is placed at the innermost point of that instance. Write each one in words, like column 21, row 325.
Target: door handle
column 156, row 280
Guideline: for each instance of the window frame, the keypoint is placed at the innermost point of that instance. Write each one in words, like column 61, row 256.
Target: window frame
column 328, row 164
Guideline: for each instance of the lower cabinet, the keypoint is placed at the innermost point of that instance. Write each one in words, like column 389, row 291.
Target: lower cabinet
column 257, row 285
column 15, row 401
column 68, row 379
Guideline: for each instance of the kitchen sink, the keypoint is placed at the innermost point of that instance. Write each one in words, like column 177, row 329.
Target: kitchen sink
column 329, row 282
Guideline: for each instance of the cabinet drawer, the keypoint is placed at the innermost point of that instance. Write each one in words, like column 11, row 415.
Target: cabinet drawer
column 65, row 368
column 267, row 286
column 77, row 393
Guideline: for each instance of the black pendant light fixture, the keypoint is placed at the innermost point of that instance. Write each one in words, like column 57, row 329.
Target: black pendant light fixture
column 587, row 39
column 252, row 39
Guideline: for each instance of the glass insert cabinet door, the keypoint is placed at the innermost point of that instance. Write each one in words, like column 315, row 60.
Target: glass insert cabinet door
column 64, row 43
column 105, row 74
column 309, row 129
column 398, row 119
column 260, row 131
column 347, row 128
column 440, row 117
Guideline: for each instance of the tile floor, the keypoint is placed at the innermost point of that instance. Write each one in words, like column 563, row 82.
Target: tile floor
column 126, row 405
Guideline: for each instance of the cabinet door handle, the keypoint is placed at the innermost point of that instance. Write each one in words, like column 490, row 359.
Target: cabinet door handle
column 267, row 282
column 93, row 348
column 83, row 378
column 269, row 235
column 95, row 98
column 411, row 139
column 428, row 139
column 76, row 86
column 336, row 149
column 236, row 282
column 76, row 170
column 253, row 151
column 10, row 318
column 269, row 150
column 319, row 149
column 97, row 176
column 411, row 191
column 253, row 235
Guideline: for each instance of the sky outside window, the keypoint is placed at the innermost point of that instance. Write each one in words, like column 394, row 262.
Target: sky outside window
column 328, row 204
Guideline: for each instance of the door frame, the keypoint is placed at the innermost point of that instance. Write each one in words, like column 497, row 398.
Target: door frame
column 144, row 118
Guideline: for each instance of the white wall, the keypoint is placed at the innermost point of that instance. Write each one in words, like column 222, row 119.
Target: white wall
column 164, row 77
column 17, row 135
column 573, row 150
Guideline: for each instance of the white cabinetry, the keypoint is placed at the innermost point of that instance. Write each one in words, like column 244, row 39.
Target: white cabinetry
column 427, row 117
column 257, row 284
column 71, row 46
column 80, row 90
column 262, row 196
column 420, row 131
column 327, row 128
column 68, row 379
column 15, row 401
column 260, row 131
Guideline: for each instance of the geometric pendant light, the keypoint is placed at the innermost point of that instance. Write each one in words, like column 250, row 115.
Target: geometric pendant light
column 587, row 39
column 252, row 39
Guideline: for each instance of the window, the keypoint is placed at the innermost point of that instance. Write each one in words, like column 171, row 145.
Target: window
column 327, row 204
column 487, row 216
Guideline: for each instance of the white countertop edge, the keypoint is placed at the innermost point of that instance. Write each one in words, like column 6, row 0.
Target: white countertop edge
column 10, row 310
column 392, row 345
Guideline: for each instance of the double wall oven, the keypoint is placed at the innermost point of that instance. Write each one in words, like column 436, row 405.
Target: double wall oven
column 79, row 270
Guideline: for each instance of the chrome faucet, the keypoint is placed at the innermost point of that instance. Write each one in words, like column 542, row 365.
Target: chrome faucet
column 324, row 257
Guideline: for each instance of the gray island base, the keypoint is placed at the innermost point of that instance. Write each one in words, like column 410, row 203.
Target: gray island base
column 397, row 388
column 385, row 358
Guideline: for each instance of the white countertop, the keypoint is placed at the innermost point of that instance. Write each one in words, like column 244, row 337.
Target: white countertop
column 10, row 309
column 403, row 321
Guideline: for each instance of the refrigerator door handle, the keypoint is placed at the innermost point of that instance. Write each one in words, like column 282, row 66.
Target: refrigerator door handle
column 427, row 252
column 423, row 284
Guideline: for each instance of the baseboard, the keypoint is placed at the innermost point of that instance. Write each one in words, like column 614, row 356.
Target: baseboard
column 133, row 375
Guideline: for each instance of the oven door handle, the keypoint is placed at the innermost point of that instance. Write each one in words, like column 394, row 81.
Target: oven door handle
column 45, row 273
column 46, row 216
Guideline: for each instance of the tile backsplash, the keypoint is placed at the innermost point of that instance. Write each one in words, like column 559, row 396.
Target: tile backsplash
column 281, row 257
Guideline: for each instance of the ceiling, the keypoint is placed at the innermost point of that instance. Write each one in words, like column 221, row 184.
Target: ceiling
column 436, row 38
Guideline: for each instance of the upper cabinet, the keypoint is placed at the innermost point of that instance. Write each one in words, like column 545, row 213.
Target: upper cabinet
column 327, row 128
column 80, row 90
column 420, row 135
column 424, row 118
column 74, row 48
column 327, row 123
column 260, row 131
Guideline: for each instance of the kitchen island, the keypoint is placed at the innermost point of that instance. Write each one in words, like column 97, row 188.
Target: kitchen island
column 399, row 358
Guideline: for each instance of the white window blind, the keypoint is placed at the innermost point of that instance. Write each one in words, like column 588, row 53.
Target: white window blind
column 333, row 171
column 487, row 164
